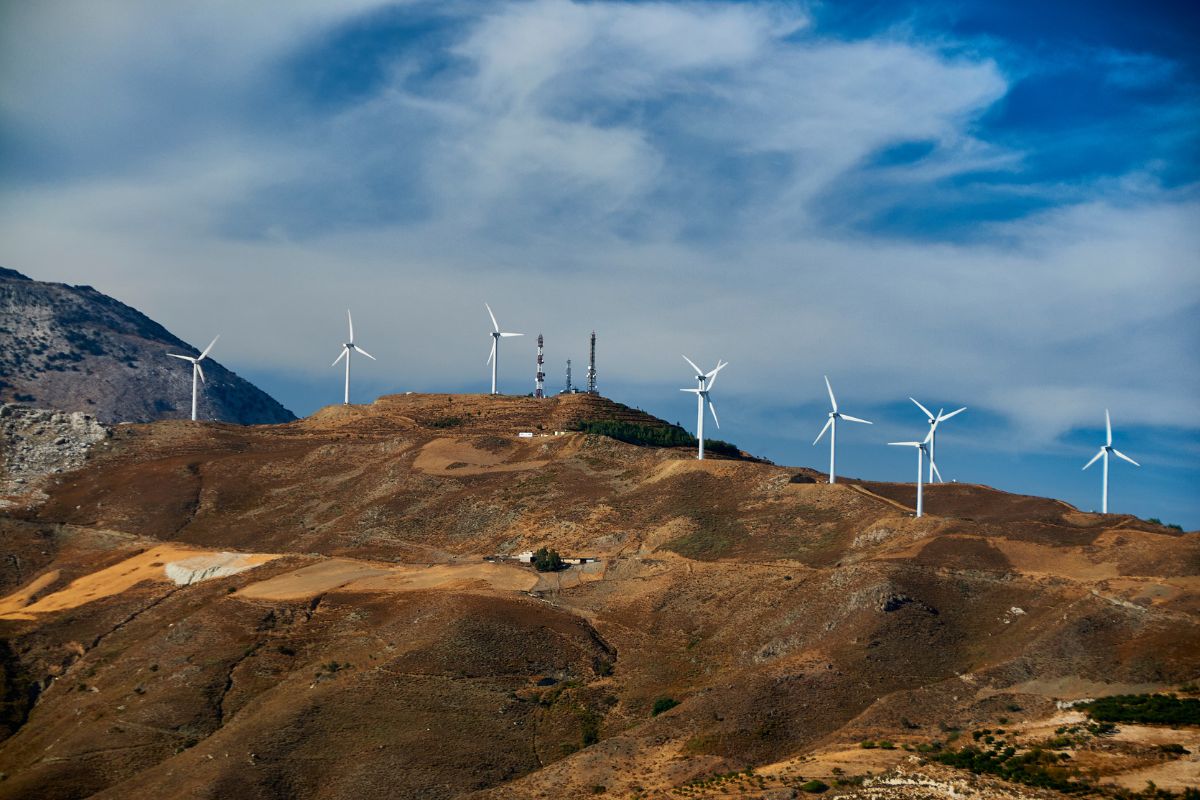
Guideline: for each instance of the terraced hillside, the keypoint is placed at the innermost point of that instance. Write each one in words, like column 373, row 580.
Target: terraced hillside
column 304, row 610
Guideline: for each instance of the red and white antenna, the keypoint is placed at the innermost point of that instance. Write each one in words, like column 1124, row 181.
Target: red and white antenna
column 591, row 373
column 540, row 376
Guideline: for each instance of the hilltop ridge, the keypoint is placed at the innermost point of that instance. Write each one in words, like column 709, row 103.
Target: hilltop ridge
column 204, row 606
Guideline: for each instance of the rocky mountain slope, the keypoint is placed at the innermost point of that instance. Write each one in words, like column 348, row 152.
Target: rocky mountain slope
column 71, row 348
column 305, row 610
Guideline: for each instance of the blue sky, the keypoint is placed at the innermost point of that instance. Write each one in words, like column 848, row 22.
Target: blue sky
column 982, row 204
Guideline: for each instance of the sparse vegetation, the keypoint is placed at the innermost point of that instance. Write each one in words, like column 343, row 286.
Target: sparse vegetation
column 814, row 786
column 653, row 436
column 445, row 422
column 1157, row 709
column 663, row 704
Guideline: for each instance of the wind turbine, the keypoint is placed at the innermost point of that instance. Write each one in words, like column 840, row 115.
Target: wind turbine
column 922, row 451
column 347, row 347
column 704, row 383
column 834, row 416
column 197, row 371
column 494, row 358
column 1105, row 449
column 934, row 421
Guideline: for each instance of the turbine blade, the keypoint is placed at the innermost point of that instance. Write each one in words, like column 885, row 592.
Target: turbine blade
column 1119, row 454
column 832, row 399
column 951, row 414
column 712, row 376
column 693, row 391
column 928, row 436
column 495, row 324
column 345, row 350
column 1108, row 427
column 209, row 348
column 856, row 419
column 350, row 319
column 828, row 422
column 506, row 335
column 693, row 365
column 906, row 444
column 492, row 354
column 184, row 358
column 713, row 409
column 199, row 369
column 365, row 353
column 933, row 466
column 1094, row 458
column 923, row 408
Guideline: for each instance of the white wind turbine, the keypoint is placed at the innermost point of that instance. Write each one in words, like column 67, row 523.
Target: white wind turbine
column 1105, row 449
column 197, row 371
column 494, row 358
column 922, row 451
column 934, row 421
column 704, row 383
column 831, row 423
column 347, row 348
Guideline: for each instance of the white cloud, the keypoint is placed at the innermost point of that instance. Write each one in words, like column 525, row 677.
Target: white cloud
column 651, row 170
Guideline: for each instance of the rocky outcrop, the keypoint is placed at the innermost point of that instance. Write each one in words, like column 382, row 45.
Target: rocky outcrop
column 36, row 443
column 72, row 348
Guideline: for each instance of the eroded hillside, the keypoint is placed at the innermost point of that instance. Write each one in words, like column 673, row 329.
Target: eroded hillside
column 304, row 610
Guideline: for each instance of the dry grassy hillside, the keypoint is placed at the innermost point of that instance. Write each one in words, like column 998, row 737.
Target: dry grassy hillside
column 303, row 610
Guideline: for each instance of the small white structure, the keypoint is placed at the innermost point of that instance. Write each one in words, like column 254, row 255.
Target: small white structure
column 526, row 557
column 526, row 434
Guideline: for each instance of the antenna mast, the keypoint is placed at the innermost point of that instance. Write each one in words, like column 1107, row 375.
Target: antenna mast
column 591, row 373
column 568, row 390
column 539, row 377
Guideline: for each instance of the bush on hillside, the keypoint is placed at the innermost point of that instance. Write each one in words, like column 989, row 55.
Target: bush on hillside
column 545, row 560
column 663, row 704
column 653, row 436
column 1161, row 709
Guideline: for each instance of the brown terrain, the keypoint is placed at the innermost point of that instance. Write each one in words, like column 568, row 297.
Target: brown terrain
column 303, row 610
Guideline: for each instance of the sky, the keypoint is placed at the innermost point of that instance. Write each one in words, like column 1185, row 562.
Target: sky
column 982, row 204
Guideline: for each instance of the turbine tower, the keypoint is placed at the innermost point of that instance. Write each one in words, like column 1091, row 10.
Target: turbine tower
column 922, row 451
column 831, row 426
column 934, row 421
column 197, row 371
column 347, row 349
column 539, row 377
column 494, row 358
column 1105, row 449
column 568, row 390
column 591, row 373
column 704, row 384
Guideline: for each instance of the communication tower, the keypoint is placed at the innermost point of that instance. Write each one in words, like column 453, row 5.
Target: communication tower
column 591, row 373
column 540, row 376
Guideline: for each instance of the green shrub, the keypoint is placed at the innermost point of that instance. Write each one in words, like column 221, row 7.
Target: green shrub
column 1156, row 709
column 815, row 786
column 445, row 422
column 662, row 704
column 545, row 560
column 867, row 744
column 653, row 435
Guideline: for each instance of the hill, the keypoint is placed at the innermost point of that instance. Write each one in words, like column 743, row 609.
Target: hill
column 305, row 610
column 73, row 349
